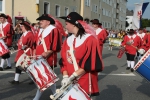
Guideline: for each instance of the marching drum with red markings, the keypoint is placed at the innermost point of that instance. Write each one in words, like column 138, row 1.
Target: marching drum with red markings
column 3, row 48
column 70, row 92
column 143, row 66
column 120, row 53
column 41, row 73
column 23, row 62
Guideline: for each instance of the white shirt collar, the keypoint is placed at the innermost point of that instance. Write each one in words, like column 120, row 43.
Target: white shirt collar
column 46, row 31
column 4, row 24
column 25, row 33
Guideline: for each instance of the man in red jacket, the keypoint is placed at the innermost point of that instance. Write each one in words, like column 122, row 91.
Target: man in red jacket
column 100, row 32
column 5, row 34
column 144, row 38
column 131, row 43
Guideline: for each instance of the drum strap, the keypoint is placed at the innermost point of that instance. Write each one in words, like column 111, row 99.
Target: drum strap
column 44, row 45
column 76, row 68
column 2, row 30
column 25, row 51
column 73, row 58
column 45, row 48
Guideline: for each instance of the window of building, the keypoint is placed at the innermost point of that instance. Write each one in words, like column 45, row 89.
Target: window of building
column 99, row 17
column 107, row 1
column 46, row 7
column 114, row 15
column 66, row 11
column 103, row 11
column 100, row 4
column 109, row 14
column 1, row 8
column 106, row 13
column 110, row 2
column 87, row 2
column 106, row 24
column 96, row 9
column 57, row 13
column 114, row 5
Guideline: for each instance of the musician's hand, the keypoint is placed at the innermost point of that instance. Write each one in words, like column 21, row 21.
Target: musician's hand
column 128, row 43
column 141, row 51
column 3, row 37
column 45, row 54
column 67, row 80
column 122, row 48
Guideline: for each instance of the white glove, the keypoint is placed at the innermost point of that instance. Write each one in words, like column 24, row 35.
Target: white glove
column 141, row 51
column 67, row 80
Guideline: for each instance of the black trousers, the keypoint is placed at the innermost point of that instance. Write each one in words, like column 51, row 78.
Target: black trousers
column 130, row 57
column 6, row 56
column 18, row 70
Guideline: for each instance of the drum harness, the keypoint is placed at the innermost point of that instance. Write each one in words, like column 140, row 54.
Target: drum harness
column 76, row 68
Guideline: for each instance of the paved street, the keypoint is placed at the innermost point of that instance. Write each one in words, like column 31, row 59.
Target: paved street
column 115, row 82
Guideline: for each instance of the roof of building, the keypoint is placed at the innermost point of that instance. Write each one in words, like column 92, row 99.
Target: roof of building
column 129, row 12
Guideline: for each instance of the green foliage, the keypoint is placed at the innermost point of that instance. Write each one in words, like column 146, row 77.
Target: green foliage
column 145, row 23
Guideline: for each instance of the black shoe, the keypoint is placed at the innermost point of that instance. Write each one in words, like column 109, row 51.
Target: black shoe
column 7, row 67
column 31, row 82
column 1, row 69
column 127, row 68
column 132, row 70
column 14, row 82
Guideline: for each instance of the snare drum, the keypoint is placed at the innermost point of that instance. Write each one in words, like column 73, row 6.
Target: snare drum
column 3, row 48
column 143, row 66
column 23, row 62
column 120, row 53
column 41, row 73
column 71, row 92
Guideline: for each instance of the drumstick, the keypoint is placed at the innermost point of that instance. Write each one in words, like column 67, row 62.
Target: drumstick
column 134, row 47
column 15, row 51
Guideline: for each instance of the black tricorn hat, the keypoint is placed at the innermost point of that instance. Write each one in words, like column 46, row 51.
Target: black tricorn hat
column 131, row 31
column 72, row 18
column 46, row 17
column 3, row 15
column 26, row 24
column 140, row 28
column 96, row 21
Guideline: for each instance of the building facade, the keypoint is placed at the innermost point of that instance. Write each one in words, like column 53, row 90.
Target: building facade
column 111, row 13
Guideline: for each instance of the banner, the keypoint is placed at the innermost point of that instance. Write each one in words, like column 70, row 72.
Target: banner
column 115, row 41
column 137, row 16
column 138, row 12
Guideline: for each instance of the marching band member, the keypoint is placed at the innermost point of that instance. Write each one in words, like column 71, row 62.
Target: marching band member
column 6, row 31
column 131, row 43
column 144, row 38
column 101, row 33
column 25, row 41
column 51, row 42
column 146, row 47
column 87, row 55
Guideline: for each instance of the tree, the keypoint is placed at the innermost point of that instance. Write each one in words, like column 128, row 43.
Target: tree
column 145, row 23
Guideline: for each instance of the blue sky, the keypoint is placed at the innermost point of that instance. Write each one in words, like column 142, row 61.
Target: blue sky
column 130, row 6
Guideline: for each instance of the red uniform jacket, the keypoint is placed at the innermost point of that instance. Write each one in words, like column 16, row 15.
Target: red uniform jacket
column 101, row 35
column 147, row 46
column 8, row 32
column 136, row 43
column 27, row 38
column 88, row 57
column 143, row 37
column 53, row 41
